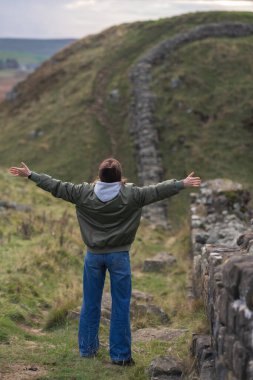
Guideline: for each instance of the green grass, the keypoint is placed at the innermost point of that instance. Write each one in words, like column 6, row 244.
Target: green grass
column 214, row 125
column 204, row 123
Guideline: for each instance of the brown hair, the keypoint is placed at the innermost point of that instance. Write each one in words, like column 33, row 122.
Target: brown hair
column 110, row 170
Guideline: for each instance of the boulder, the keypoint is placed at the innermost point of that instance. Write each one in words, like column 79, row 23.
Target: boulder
column 159, row 263
column 141, row 296
column 139, row 308
column 161, row 333
column 165, row 366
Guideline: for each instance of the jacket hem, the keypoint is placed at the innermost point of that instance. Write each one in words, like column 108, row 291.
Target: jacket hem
column 109, row 249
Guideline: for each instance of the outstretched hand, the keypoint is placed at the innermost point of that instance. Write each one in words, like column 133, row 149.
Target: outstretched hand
column 191, row 181
column 22, row 172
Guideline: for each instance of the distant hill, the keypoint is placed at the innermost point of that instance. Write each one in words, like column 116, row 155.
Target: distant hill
column 19, row 57
column 37, row 47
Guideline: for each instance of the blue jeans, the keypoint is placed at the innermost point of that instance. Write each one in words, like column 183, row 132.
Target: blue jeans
column 95, row 266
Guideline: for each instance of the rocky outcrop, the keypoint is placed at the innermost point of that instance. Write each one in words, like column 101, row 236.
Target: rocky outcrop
column 141, row 307
column 223, row 274
column 14, row 206
column 157, row 333
column 142, row 110
column 202, row 349
column 165, row 368
column 159, row 263
column 219, row 215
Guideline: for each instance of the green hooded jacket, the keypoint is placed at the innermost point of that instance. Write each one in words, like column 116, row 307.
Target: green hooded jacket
column 107, row 226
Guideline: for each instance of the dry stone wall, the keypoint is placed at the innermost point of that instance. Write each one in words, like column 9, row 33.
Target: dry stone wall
column 142, row 110
column 222, row 252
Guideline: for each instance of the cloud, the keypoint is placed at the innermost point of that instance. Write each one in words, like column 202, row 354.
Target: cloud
column 77, row 18
column 79, row 4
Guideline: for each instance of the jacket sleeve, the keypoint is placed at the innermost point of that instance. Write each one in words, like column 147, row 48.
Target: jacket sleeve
column 59, row 189
column 154, row 193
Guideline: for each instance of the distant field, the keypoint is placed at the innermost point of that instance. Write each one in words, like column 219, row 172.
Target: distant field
column 22, row 57
column 33, row 46
column 8, row 79
column 26, row 52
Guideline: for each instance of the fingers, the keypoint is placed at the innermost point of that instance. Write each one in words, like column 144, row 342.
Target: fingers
column 17, row 171
column 23, row 171
column 195, row 183
column 16, row 174
column 13, row 168
column 24, row 165
column 14, row 171
column 192, row 181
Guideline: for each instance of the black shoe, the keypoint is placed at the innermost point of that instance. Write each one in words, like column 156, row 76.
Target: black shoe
column 124, row 362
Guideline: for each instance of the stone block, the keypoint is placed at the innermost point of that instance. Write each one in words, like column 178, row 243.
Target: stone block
column 232, row 270
column 249, row 370
column 245, row 335
column 165, row 365
column 230, row 376
column 240, row 360
column 159, row 263
column 245, row 241
column 141, row 310
column 220, row 340
column 228, row 350
column 160, row 333
column 246, row 284
column 231, row 318
column 199, row 343
column 222, row 303
column 244, row 317
column 201, row 237
column 220, row 368
column 141, row 296
column 206, row 356
column 207, row 371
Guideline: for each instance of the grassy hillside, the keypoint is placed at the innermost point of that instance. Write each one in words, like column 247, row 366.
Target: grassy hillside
column 68, row 99
column 206, row 121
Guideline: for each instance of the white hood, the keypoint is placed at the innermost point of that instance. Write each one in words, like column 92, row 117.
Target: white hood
column 106, row 191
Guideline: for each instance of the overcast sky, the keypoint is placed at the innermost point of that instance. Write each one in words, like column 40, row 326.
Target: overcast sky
column 77, row 18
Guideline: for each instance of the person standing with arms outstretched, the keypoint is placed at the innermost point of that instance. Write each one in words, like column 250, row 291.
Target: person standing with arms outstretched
column 109, row 212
